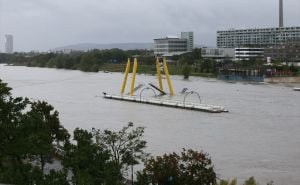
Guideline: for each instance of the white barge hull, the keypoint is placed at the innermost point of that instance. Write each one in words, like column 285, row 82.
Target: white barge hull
column 168, row 103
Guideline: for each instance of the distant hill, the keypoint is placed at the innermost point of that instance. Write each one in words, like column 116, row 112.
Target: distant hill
column 89, row 46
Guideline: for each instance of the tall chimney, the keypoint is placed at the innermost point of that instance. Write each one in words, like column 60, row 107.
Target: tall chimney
column 280, row 13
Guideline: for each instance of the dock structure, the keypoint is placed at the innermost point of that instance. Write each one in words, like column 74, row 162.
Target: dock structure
column 159, row 77
column 168, row 103
column 156, row 101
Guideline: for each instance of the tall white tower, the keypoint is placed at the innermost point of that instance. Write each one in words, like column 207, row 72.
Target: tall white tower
column 9, row 44
column 280, row 13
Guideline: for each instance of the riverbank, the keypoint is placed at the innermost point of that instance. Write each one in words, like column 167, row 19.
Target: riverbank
column 142, row 69
column 283, row 79
column 175, row 70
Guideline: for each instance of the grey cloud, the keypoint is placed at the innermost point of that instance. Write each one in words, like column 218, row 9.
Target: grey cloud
column 46, row 24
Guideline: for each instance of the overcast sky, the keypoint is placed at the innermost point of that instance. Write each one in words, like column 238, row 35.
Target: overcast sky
column 45, row 24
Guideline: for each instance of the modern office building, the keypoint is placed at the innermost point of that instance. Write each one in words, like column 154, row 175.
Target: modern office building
column 257, row 37
column 9, row 44
column 189, row 36
column 218, row 54
column 237, row 54
column 169, row 46
column 247, row 54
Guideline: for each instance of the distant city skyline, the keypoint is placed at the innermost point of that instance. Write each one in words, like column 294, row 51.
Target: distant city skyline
column 46, row 24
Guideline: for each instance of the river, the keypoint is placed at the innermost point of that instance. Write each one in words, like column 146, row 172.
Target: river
column 260, row 136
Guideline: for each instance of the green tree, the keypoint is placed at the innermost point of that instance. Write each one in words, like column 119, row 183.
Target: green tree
column 197, row 54
column 87, row 160
column 43, row 134
column 30, row 134
column 189, row 168
column 4, row 92
column 12, row 168
column 87, row 61
column 126, row 146
column 5, row 58
column 54, row 178
column 227, row 182
column 186, row 71
column 250, row 181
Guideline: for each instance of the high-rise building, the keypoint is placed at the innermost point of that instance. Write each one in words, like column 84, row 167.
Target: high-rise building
column 169, row 46
column 189, row 36
column 9, row 43
column 280, row 13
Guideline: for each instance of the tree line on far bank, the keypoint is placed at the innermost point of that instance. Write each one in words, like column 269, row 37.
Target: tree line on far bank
column 114, row 60
column 111, row 60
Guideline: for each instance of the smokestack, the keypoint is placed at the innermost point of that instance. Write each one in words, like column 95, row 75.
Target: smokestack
column 280, row 13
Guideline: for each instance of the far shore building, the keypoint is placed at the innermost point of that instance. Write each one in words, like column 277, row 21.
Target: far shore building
column 189, row 36
column 169, row 46
column 287, row 53
column 9, row 43
column 277, row 43
column 236, row 54
column 264, row 44
column 262, row 38
column 218, row 54
column 249, row 53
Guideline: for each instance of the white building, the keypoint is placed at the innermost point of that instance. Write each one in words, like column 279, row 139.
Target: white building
column 169, row 46
column 256, row 37
column 9, row 44
column 248, row 53
column 218, row 54
column 189, row 36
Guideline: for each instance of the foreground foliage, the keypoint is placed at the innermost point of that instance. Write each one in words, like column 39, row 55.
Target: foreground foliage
column 189, row 168
column 250, row 181
column 31, row 137
column 126, row 147
column 30, row 133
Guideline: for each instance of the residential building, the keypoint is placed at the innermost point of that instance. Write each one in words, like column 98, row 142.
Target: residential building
column 169, row 46
column 9, row 44
column 263, row 37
